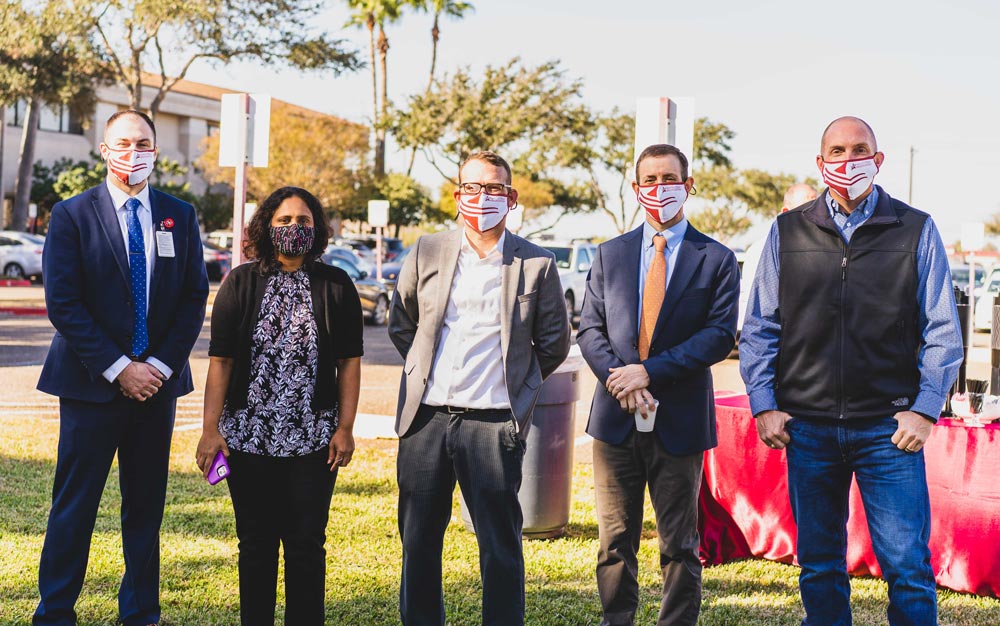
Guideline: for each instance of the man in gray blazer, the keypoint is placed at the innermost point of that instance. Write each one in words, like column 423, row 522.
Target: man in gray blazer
column 479, row 316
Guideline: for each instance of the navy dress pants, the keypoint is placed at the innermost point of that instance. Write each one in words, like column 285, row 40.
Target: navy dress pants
column 89, row 436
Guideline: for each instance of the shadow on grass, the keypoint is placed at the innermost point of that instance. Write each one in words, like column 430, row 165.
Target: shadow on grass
column 26, row 485
column 363, row 485
column 195, row 580
column 589, row 530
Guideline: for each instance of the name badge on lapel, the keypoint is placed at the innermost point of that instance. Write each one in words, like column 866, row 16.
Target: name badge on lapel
column 165, row 239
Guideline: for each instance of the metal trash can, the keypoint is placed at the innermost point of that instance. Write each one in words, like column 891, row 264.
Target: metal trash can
column 547, row 472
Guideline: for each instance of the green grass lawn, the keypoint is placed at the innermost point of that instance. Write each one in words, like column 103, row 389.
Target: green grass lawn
column 198, row 562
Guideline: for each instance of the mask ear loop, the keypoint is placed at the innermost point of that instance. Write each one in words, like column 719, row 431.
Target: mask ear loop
column 694, row 191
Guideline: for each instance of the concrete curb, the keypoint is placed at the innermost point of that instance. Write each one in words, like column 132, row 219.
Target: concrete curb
column 23, row 310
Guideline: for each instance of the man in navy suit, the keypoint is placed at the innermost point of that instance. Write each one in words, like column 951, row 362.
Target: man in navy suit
column 660, row 309
column 125, row 288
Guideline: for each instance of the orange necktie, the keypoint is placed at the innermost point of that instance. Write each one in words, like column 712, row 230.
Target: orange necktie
column 652, row 295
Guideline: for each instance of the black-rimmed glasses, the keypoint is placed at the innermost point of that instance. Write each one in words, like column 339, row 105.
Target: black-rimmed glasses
column 494, row 189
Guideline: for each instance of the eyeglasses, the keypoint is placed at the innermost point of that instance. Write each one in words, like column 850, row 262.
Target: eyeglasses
column 494, row 189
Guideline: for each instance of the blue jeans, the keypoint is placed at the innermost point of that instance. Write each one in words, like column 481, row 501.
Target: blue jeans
column 822, row 457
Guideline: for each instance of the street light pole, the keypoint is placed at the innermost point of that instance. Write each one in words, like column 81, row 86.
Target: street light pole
column 909, row 197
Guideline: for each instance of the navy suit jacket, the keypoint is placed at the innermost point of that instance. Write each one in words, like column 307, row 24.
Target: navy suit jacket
column 695, row 329
column 88, row 295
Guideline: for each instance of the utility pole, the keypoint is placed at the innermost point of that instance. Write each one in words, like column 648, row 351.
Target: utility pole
column 909, row 197
column 3, row 132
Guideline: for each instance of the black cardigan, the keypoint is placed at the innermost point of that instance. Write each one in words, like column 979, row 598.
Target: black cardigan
column 339, row 327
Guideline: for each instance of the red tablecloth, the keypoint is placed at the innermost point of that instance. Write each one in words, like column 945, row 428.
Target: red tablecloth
column 745, row 509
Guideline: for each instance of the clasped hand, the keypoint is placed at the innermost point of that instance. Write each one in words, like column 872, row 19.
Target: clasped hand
column 628, row 385
column 140, row 381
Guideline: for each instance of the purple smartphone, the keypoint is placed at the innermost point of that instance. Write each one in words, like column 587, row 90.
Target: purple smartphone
column 219, row 470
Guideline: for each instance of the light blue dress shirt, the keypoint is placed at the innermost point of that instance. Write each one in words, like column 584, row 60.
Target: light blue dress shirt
column 940, row 354
column 674, row 236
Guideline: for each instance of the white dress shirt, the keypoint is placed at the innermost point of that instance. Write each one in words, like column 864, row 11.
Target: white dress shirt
column 468, row 363
column 145, row 215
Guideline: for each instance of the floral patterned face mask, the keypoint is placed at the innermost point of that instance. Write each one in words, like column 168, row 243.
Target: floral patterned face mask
column 292, row 240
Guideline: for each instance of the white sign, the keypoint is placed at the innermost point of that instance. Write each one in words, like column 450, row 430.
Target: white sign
column 244, row 130
column 973, row 236
column 515, row 219
column 665, row 120
column 378, row 212
column 32, row 210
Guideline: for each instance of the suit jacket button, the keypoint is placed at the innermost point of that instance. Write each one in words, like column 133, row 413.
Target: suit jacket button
column 635, row 346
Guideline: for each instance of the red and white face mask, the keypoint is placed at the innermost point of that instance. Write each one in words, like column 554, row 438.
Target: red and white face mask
column 850, row 178
column 662, row 201
column 131, row 166
column 482, row 211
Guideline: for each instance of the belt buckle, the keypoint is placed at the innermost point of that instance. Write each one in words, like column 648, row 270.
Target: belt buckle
column 456, row 410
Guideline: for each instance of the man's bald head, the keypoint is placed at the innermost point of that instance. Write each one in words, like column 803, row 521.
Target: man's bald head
column 848, row 121
column 797, row 195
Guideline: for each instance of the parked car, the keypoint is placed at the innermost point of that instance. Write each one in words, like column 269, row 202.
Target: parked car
column 390, row 270
column 21, row 254
column 983, row 318
column 364, row 252
column 220, row 238
column 960, row 277
column 391, row 246
column 374, row 296
column 351, row 255
column 218, row 261
column 573, row 260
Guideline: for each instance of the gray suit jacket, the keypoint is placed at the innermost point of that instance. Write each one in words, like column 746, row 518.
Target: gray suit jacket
column 534, row 327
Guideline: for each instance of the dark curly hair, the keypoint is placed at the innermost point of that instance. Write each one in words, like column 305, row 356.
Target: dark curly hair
column 257, row 245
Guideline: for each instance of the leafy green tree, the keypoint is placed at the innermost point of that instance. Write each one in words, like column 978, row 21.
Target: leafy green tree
column 409, row 202
column 562, row 154
column 505, row 108
column 172, row 35
column 47, row 58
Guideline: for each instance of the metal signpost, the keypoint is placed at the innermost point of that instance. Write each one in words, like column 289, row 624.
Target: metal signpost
column 973, row 240
column 378, row 216
column 665, row 120
column 244, row 131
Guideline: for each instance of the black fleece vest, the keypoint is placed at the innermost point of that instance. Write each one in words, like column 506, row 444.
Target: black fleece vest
column 849, row 314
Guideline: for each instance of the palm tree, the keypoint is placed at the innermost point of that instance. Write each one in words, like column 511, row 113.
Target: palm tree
column 451, row 8
column 372, row 13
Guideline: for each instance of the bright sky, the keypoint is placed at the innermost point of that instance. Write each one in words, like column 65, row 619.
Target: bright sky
column 922, row 73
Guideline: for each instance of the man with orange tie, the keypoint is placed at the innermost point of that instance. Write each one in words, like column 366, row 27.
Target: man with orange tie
column 660, row 309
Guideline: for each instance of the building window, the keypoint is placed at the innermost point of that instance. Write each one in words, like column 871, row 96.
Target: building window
column 15, row 113
column 59, row 118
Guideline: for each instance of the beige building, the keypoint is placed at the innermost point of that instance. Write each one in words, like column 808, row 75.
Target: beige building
column 189, row 113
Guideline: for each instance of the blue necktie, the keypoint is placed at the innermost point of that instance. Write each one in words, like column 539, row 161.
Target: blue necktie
column 137, row 269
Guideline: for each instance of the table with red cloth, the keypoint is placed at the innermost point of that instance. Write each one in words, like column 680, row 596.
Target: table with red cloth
column 744, row 507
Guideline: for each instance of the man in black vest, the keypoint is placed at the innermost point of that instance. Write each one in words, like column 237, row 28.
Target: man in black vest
column 850, row 344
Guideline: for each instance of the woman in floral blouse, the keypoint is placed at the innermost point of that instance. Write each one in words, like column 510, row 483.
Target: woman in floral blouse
column 282, row 392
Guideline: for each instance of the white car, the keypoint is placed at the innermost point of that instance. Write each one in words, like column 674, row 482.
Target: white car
column 573, row 260
column 20, row 254
column 983, row 317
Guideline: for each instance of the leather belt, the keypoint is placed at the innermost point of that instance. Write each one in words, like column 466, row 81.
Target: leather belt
column 461, row 410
